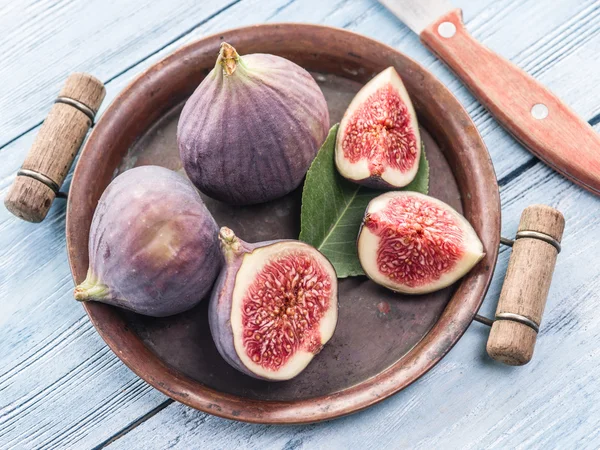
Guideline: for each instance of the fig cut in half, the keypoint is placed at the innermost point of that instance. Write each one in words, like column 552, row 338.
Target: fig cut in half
column 274, row 306
column 415, row 244
column 378, row 143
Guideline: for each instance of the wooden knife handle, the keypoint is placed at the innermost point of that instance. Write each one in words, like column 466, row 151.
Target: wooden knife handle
column 529, row 111
column 54, row 148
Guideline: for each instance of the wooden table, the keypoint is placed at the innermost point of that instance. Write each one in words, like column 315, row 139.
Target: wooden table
column 61, row 387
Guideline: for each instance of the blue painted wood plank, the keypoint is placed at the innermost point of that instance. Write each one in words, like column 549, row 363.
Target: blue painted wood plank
column 65, row 36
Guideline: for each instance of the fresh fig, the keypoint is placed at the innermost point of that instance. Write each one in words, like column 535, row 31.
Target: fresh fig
column 273, row 307
column 250, row 131
column 153, row 245
column 378, row 143
column 413, row 243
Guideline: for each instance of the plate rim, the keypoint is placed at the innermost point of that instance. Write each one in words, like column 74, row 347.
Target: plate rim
column 439, row 340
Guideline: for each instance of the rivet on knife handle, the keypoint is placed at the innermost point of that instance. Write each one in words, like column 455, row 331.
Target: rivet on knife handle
column 528, row 110
column 54, row 149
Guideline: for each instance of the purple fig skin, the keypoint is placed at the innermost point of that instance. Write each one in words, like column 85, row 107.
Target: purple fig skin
column 375, row 182
column 250, row 131
column 235, row 279
column 219, row 308
column 153, row 245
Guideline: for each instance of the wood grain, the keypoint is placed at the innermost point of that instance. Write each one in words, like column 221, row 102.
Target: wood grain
column 66, row 36
column 55, row 147
column 526, row 286
column 549, row 404
column 562, row 139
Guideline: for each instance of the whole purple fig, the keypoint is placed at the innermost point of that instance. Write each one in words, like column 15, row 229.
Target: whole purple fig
column 273, row 307
column 250, row 131
column 153, row 245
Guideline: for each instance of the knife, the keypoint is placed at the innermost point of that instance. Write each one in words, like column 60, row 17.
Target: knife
column 526, row 109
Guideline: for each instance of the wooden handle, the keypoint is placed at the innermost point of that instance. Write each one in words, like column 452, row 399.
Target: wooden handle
column 55, row 147
column 529, row 111
column 523, row 297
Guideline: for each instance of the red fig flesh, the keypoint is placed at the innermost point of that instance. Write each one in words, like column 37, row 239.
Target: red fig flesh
column 273, row 307
column 153, row 245
column 413, row 243
column 250, row 131
column 378, row 142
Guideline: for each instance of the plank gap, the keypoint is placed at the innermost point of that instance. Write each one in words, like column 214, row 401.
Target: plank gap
column 517, row 172
column 139, row 61
column 594, row 120
column 173, row 40
column 136, row 423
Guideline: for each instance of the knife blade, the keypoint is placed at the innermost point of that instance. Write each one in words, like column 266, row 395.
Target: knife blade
column 537, row 118
column 418, row 14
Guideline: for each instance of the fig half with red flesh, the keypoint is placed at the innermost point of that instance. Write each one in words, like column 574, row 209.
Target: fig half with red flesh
column 274, row 306
column 378, row 142
column 415, row 244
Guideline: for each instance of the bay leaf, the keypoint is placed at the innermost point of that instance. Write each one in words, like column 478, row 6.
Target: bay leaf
column 333, row 208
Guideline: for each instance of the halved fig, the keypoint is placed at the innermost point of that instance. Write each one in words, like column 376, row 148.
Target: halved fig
column 414, row 244
column 378, row 143
column 274, row 306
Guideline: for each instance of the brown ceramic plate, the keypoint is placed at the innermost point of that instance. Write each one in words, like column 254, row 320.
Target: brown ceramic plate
column 383, row 341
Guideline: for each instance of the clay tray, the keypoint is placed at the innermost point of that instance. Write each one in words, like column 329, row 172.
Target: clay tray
column 383, row 341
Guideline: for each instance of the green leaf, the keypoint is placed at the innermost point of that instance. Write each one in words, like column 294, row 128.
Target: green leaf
column 333, row 208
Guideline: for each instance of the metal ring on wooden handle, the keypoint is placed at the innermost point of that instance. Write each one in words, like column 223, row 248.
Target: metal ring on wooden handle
column 54, row 149
column 525, row 289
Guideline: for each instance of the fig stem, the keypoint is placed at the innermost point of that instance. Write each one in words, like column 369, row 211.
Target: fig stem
column 90, row 289
column 228, row 58
column 230, row 243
